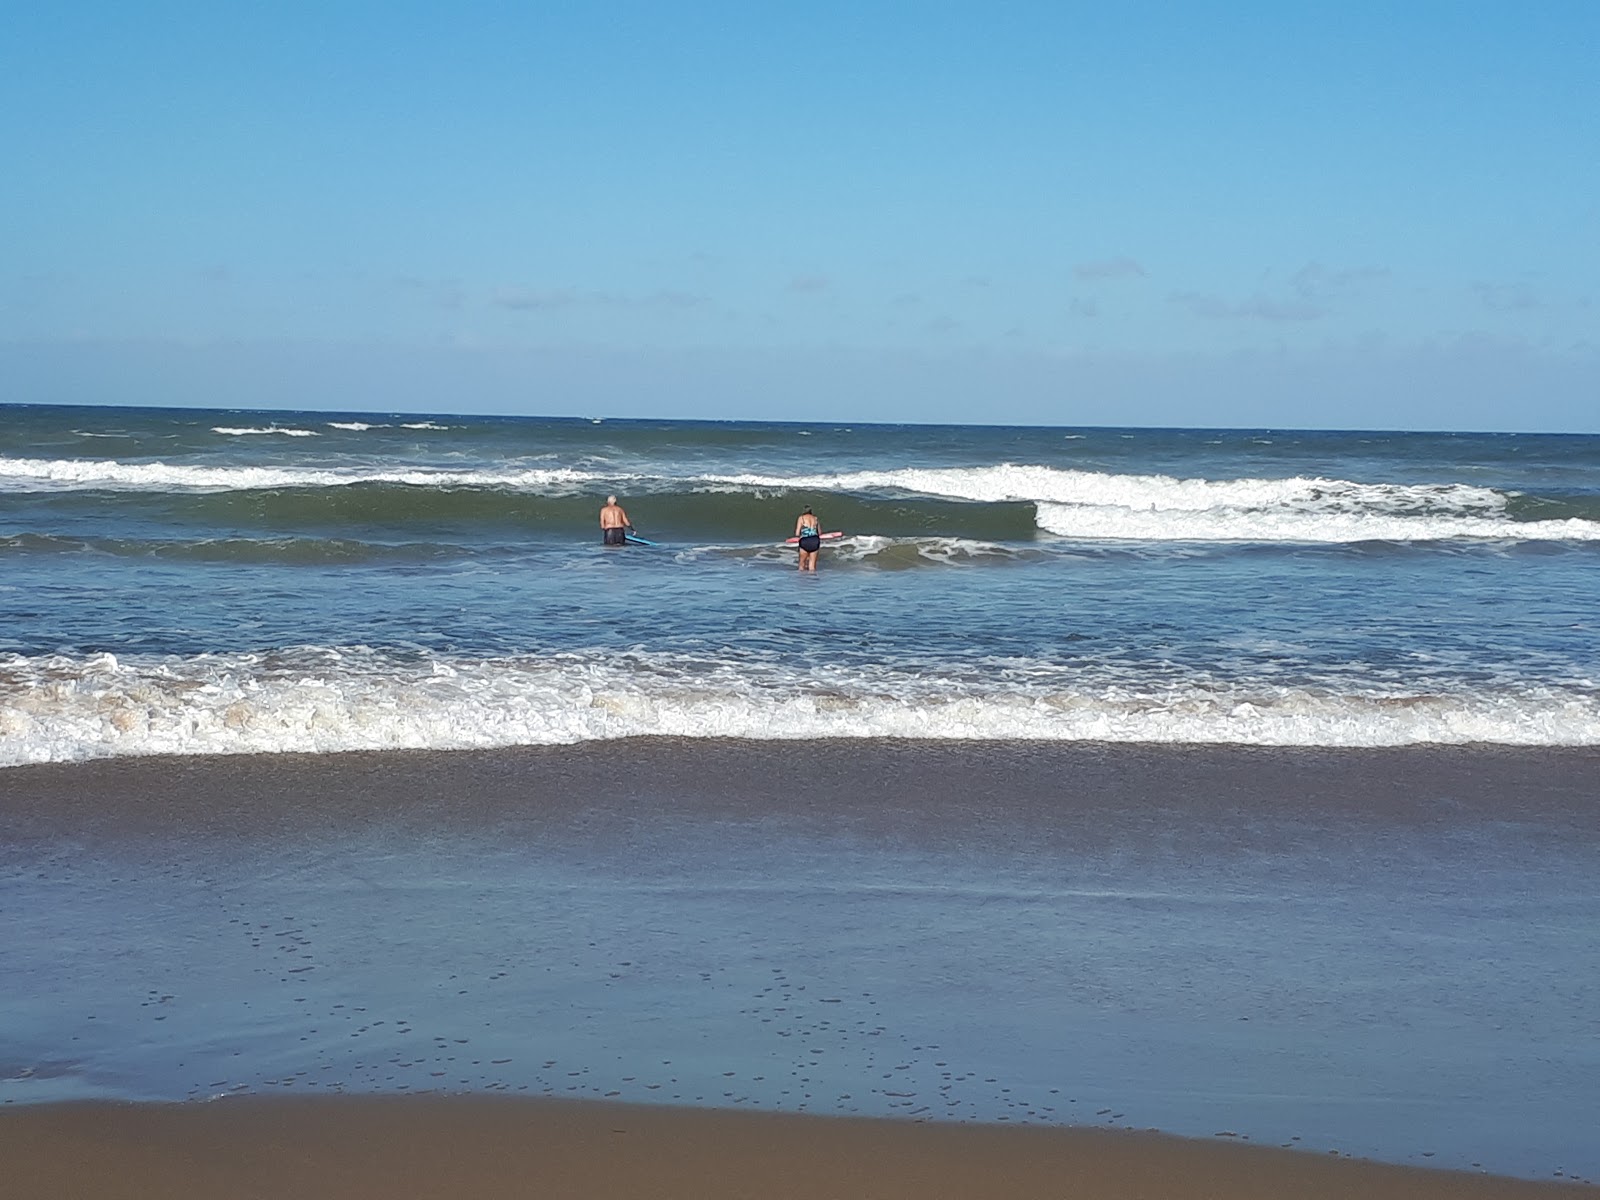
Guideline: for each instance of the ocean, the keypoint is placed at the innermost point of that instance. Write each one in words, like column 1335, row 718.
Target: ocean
column 240, row 582
column 1236, row 784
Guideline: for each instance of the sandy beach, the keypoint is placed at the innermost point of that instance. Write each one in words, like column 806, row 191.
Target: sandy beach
column 437, row 761
column 349, row 1149
column 484, row 962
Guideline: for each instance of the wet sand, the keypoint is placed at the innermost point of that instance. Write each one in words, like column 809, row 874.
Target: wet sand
column 1383, row 954
column 389, row 1149
column 870, row 784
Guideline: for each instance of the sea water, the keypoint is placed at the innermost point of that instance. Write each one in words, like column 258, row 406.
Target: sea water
column 1361, row 920
column 184, row 581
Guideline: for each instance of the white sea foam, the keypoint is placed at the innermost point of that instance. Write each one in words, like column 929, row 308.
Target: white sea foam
column 945, row 551
column 60, row 708
column 241, row 432
column 1288, row 525
column 1096, row 505
column 23, row 474
column 874, row 551
column 1149, row 493
column 354, row 426
column 423, row 425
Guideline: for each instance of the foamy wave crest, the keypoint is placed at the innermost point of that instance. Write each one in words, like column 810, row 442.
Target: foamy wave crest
column 60, row 708
column 1096, row 505
column 1010, row 481
column 883, row 553
column 1068, row 503
column 892, row 553
column 236, row 432
column 354, row 426
column 71, row 474
column 1225, row 525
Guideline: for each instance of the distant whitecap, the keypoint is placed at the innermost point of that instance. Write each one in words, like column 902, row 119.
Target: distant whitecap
column 270, row 429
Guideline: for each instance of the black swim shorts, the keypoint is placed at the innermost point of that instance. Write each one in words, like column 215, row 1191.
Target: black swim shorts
column 615, row 537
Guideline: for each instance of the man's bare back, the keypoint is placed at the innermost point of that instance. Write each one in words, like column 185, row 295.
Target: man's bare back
column 614, row 523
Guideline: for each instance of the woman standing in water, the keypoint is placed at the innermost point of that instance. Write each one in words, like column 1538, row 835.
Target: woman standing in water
column 809, row 530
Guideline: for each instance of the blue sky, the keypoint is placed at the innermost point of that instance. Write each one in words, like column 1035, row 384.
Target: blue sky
column 1286, row 214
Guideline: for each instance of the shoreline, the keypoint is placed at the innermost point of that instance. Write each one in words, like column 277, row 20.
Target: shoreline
column 1383, row 953
column 349, row 1149
column 1384, row 782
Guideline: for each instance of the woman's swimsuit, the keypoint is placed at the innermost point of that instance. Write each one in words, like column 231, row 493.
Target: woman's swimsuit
column 810, row 539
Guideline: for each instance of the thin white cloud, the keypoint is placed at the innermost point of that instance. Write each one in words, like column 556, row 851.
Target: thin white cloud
column 1109, row 268
column 1256, row 308
column 444, row 293
column 1312, row 292
column 1316, row 283
column 554, row 299
column 669, row 298
column 1509, row 297
column 530, row 299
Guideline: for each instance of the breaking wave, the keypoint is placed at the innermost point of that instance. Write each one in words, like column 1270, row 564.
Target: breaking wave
column 65, row 708
column 1064, row 503
column 270, row 429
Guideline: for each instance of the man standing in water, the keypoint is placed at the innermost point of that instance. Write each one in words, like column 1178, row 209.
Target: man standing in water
column 614, row 523
column 809, row 530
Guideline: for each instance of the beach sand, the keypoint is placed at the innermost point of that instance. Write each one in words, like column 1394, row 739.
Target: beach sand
column 1380, row 954
column 388, row 1149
